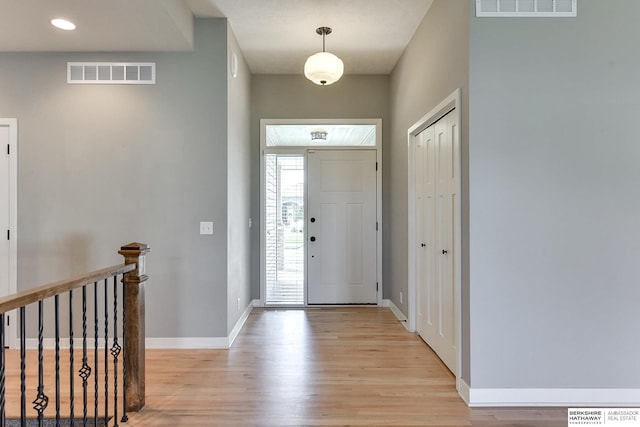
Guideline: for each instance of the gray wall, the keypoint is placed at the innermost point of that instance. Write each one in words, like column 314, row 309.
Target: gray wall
column 238, row 185
column 295, row 97
column 435, row 63
column 554, row 199
column 100, row 166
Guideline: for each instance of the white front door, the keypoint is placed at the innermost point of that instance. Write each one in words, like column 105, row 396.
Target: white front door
column 7, row 211
column 341, row 227
column 437, row 175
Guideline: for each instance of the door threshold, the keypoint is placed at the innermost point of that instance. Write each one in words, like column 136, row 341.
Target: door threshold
column 373, row 304
column 301, row 307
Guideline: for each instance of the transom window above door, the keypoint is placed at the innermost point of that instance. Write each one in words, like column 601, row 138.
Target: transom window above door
column 330, row 135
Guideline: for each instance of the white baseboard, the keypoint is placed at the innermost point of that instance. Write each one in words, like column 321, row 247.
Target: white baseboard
column 463, row 390
column 570, row 397
column 203, row 342
column 151, row 343
column 50, row 343
column 240, row 323
column 195, row 343
column 396, row 311
column 157, row 342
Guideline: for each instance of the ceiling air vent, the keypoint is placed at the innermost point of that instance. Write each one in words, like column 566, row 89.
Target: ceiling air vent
column 110, row 73
column 527, row 8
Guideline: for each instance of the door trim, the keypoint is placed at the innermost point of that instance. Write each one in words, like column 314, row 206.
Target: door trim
column 300, row 149
column 451, row 102
column 13, row 221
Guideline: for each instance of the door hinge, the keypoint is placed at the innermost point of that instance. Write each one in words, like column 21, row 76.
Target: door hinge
column 8, row 149
column 376, row 165
column 8, row 320
column 377, row 286
column 8, row 234
column 376, row 225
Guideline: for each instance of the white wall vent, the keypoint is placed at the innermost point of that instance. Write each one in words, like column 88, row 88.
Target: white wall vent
column 527, row 8
column 130, row 73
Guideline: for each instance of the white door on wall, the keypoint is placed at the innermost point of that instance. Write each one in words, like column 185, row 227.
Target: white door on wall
column 437, row 177
column 5, row 206
column 341, row 227
column 425, row 229
column 7, row 209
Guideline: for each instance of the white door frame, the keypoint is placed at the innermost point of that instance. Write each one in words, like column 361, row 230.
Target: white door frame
column 303, row 149
column 10, row 336
column 453, row 101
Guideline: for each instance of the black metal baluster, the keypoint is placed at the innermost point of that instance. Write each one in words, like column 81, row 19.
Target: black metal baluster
column 42, row 400
column 23, row 368
column 106, row 351
column 56, row 302
column 95, row 353
column 115, row 351
column 125, row 418
column 85, row 370
column 71, row 360
column 2, row 363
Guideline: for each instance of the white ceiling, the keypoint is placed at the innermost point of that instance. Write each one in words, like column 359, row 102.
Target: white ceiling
column 276, row 36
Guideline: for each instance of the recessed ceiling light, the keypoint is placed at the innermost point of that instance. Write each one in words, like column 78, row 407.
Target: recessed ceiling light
column 63, row 24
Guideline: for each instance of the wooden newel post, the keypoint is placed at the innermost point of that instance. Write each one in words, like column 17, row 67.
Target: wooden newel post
column 134, row 334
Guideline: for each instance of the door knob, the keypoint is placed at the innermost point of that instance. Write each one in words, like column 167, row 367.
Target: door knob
column 312, row 219
column 444, row 252
column 424, row 245
column 312, row 238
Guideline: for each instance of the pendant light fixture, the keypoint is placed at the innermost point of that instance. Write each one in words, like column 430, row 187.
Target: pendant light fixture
column 323, row 68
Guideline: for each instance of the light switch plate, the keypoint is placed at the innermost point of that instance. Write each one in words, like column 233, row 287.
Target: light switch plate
column 206, row 228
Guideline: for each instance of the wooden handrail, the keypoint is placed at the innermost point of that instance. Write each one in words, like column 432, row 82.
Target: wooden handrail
column 31, row 296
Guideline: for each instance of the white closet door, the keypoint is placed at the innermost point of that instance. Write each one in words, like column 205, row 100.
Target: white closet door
column 437, row 177
column 8, row 176
column 425, row 214
column 5, row 209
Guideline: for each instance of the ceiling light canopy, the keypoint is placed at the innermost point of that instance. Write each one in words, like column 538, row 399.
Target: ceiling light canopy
column 323, row 68
column 63, row 24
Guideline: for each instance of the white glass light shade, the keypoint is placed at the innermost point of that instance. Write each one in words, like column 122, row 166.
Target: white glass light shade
column 323, row 68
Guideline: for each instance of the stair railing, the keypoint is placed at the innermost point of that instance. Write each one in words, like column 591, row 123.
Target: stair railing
column 122, row 308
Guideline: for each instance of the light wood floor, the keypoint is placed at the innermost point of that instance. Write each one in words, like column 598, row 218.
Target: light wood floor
column 334, row 366
column 331, row 366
